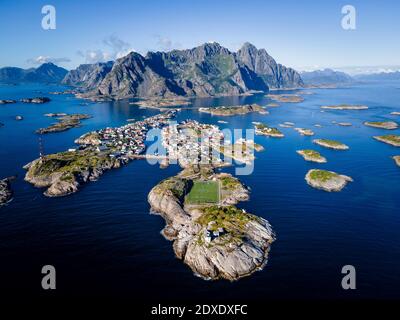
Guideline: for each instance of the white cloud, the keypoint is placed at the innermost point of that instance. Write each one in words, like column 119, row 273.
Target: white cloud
column 166, row 44
column 93, row 56
column 45, row 59
column 115, row 48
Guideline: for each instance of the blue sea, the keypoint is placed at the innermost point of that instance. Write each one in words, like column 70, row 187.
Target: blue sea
column 104, row 242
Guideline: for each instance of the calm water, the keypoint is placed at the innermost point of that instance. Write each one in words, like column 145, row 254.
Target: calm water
column 104, row 242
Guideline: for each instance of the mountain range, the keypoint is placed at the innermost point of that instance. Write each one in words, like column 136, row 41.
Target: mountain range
column 325, row 77
column 46, row 73
column 206, row 70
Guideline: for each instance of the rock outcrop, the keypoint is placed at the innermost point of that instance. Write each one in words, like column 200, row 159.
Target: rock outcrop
column 312, row 155
column 5, row 191
column 216, row 241
column 89, row 76
column 273, row 74
column 331, row 144
column 388, row 125
column 327, row 180
column 63, row 173
column 391, row 139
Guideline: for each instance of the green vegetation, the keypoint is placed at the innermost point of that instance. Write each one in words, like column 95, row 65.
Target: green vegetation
column 390, row 138
column 203, row 192
column 177, row 186
column 64, row 123
column 312, row 153
column 332, row 143
column 267, row 130
column 322, row 175
column 230, row 218
column 378, row 123
column 68, row 164
column 230, row 183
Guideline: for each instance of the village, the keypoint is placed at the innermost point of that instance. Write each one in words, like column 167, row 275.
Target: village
column 125, row 142
column 191, row 142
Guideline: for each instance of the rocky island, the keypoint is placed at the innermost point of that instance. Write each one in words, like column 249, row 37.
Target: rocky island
column 327, row 180
column 345, row 107
column 5, row 191
column 264, row 130
column 397, row 160
column 331, row 144
column 344, row 124
column 7, row 101
column 158, row 103
column 37, row 100
column 62, row 173
column 234, row 110
column 65, row 122
column 209, row 233
column 304, row 132
column 391, row 139
column 291, row 98
column 388, row 125
column 312, row 155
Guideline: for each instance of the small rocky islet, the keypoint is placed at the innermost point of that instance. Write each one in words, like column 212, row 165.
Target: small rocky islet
column 391, row 139
column 65, row 122
column 286, row 98
column 216, row 240
column 396, row 160
column 327, row 180
column 159, row 103
column 388, row 125
column 331, row 144
column 345, row 107
column 36, row 100
column 304, row 132
column 234, row 110
column 265, row 130
column 312, row 155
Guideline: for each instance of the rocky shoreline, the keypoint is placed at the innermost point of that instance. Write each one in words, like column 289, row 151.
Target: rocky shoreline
column 217, row 241
column 331, row 144
column 391, row 139
column 287, row 98
column 345, row 107
column 6, row 193
column 312, row 155
column 63, row 173
column 65, row 122
column 396, row 160
column 304, row 132
column 327, row 180
column 234, row 110
column 264, row 130
column 388, row 125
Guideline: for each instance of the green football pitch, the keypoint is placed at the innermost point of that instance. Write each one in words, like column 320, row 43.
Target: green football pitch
column 203, row 192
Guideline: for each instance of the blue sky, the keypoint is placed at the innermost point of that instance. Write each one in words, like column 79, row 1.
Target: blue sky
column 296, row 33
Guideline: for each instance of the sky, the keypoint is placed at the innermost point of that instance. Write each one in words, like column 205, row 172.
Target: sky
column 301, row 34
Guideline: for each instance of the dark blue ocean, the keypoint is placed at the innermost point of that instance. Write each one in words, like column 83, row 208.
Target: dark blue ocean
column 103, row 241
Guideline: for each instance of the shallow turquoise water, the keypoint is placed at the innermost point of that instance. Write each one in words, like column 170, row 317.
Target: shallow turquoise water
column 103, row 241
